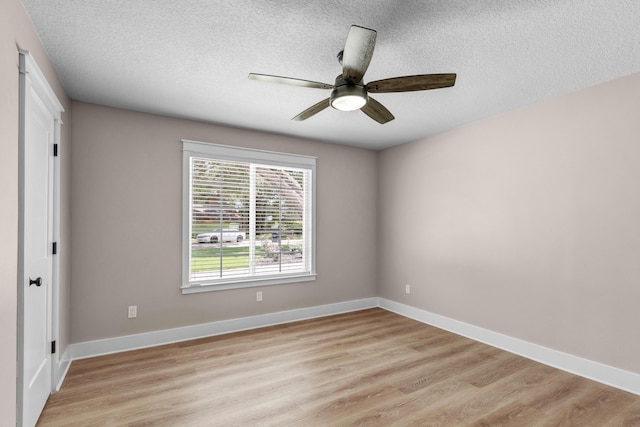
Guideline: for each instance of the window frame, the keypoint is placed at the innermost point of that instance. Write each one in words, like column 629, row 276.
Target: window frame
column 247, row 155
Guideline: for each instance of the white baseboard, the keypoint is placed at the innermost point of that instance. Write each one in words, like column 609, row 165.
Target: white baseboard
column 608, row 375
column 614, row 377
column 168, row 336
column 61, row 368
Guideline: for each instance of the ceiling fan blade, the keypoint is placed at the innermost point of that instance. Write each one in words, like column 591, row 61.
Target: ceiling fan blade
column 357, row 53
column 289, row 81
column 412, row 83
column 377, row 111
column 314, row 109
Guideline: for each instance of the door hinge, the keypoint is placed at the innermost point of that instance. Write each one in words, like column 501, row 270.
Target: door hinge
column 55, row 150
column 54, row 249
column 53, row 347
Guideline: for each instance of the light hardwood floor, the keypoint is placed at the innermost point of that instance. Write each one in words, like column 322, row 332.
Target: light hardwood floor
column 370, row 368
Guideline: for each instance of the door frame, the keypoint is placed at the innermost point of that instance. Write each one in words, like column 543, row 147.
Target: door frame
column 28, row 68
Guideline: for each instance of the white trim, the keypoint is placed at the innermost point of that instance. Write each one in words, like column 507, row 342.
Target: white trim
column 186, row 215
column 61, row 368
column 168, row 336
column 40, row 85
column 244, row 282
column 608, row 375
column 191, row 149
column 56, row 365
column 599, row 372
column 251, row 155
column 32, row 80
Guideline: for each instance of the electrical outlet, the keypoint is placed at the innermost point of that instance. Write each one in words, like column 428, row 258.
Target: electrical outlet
column 133, row 311
column 407, row 289
column 258, row 296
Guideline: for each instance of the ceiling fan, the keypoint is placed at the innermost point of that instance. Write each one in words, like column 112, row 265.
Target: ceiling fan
column 349, row 93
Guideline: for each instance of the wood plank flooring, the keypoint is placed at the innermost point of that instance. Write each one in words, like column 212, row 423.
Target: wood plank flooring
column 366, row 368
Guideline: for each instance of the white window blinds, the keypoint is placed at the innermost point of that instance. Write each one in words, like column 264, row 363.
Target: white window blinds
column 250, row 217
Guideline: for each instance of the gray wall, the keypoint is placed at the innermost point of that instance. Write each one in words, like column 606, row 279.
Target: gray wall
column 526, row 224
column 126, row 209
column 16, row 31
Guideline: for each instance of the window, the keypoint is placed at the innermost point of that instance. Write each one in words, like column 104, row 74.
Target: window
column 248, row 217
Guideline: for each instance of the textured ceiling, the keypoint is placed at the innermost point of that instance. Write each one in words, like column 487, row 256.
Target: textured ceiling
column 191, row 58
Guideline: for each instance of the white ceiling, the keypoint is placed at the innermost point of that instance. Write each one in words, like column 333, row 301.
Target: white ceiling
column 191, row 58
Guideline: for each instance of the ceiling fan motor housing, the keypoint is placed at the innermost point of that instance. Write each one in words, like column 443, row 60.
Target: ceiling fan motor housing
column 347, row 96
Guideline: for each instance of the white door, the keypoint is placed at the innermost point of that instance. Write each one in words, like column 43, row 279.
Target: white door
column 35, row 287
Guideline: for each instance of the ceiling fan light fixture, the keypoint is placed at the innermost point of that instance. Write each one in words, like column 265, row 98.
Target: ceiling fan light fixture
column 348, row 97
column 349, row 92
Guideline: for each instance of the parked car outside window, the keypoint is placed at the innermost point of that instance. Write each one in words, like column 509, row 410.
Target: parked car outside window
column 221, row 234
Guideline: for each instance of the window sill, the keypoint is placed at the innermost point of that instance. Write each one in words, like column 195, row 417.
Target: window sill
column 194, row 288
